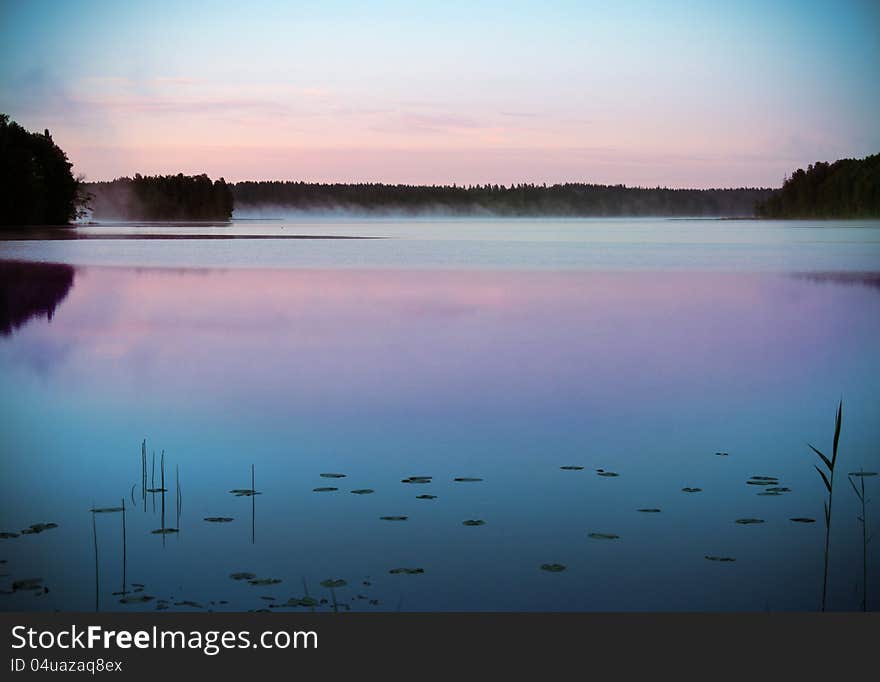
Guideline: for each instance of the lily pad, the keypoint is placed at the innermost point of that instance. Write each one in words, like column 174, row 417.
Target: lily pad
column 722, row 454
column 803, row 519
column 553, row 568
column 27, row 584
column 691, row 490
column 571, row 467
column 467, row 479
column 474, row 522
column 332, row 475
column 406, row 571
column 649, row 510
column 416, row 479
column 778, row 489
column 764, row 478
column 324, row 489
column 363, row 491
column 35, row 528
column 136, row 599
column 218, row 519
column 393, row 518
column 157, row 490
column 604, row 536
column 164, row 531
column 761, row 482
column 607, row 474
column 747, row 522
column 242, row 575
column 719, row 558
column 105, row 510
column 245, row 492
column 426, row 497
column 330, row 583
column 264, row 581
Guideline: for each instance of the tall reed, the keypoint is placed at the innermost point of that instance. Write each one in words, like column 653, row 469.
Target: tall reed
column 828, row 480
column 860, row 493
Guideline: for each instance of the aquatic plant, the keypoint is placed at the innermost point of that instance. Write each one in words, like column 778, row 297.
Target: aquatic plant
column 553, row 568
column 473, row 522
column 604, row 536
column 828, row 480
column 863, row 519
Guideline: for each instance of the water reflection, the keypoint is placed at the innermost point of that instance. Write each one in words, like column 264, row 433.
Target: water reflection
column 462, row 440
column 29, row 290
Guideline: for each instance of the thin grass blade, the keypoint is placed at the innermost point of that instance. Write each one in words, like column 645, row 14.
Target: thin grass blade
column 824, row 458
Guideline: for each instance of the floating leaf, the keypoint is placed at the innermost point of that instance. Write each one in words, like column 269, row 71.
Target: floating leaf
column 105, row 510
column 417, row 479
column 571, row 467
column 553, row 568
column 407, row 571
column 35, row 528
column 264, row 581
column 27, row 584
column 649, row 510
column 607, row 474
column 7, row 536
column 467, row 479
column 242, row 575
column 692, row 490
column 332, row 475
column 604, row 536
column 426, row 497
column 244, row 492
column 393, row 518
column 136, row 599
column 325, row 489
column 719, row 558
column 803, row 519
column 164, row 531
column 778, row 490
column 761, row 482
column 219, row 519
column 474, row 522
column 722, row 454
column 363, row 491
column 330, row 583
column 187, row 602
column 746, row 522
column 771, row 493
column 157, row 490
column 764, row 478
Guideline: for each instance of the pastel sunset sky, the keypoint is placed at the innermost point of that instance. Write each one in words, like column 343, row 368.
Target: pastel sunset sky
column 700, row 94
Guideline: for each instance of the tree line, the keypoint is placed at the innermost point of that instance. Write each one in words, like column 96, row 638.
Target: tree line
column 561, row 200
column 162, row 197
column 37, row 187
column 849, row 188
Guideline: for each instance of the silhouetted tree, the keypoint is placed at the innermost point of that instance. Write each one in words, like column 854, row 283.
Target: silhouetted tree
column 163, row 197
column 36, row 183
column 849, row 188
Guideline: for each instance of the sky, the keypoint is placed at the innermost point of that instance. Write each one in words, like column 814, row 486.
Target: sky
column 675, row 93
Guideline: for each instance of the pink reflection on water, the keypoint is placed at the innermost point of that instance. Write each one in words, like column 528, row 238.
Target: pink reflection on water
column 313, row 339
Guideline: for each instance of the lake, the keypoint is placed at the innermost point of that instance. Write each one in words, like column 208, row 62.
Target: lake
column 534, row 359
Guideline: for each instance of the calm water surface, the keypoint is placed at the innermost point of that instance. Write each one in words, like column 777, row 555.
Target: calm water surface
column 484, row 349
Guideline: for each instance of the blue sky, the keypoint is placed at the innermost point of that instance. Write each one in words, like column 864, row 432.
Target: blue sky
column 671, row 93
